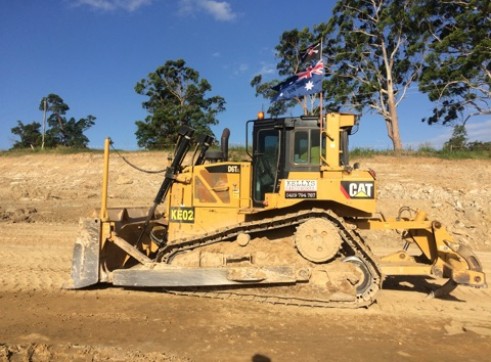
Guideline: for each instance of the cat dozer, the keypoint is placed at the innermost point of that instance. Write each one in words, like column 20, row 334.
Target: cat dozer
column 284, row 228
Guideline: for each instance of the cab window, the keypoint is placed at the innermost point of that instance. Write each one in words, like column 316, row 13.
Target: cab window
column 307, row 147
column 266, row 163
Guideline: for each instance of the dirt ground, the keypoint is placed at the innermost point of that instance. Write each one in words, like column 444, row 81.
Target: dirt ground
column 43, row 196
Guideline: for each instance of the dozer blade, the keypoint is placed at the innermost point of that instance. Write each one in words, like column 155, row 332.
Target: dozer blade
column 155, row 275
column 86, row 251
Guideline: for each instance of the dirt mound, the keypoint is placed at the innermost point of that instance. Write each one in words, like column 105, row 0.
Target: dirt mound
column 64, row 187
column 456, row 193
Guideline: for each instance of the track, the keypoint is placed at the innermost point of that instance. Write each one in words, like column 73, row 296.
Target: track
column 299, row 295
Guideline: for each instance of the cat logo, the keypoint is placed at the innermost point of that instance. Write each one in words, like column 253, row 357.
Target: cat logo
column 357, row 190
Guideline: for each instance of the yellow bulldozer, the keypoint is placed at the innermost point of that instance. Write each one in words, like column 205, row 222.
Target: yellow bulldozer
column 281, row 228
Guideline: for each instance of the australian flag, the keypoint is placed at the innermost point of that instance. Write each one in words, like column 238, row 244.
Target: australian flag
column 301, row 84
column 311, row 52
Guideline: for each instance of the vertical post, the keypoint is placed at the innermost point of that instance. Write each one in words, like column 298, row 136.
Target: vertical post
column 321, row 93
column 321, row 118
column 44, row 122
column 105, row 181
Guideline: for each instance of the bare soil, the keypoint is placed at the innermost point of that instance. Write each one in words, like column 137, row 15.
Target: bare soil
column 43, row 196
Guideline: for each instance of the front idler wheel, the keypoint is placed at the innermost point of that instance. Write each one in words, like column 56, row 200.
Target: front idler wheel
column 366, row 280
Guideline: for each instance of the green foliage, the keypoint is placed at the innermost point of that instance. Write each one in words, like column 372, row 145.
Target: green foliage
column 478, row 146
column 457, row 74
column 288, row 52
column 60, row 133
column 61, row 150
column 54, row 104
column 374, row 51
column 265, row 89
column 372, row 47
column 458, row 146
column 458, row 140
column 363, row 152
column 68, row 133
column 176, row 96
column 467, row 153
column 377, row 50
column 29, row 134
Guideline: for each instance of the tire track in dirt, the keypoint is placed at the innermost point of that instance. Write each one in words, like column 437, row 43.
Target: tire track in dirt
column 35, row 256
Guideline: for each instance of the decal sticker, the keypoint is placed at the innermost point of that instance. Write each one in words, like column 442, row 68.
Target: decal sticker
column 182, row 214
column 357, row 189
column 300, row 185
column 224, row 169
column 300, row 189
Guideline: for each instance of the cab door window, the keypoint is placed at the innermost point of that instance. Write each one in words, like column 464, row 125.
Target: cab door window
column 307, row 147
column 265, row 163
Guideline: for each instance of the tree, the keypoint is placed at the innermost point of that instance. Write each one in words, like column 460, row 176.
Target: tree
column 458, row 140
column 457, row 74
column 52, row 103
column 69, row 133
column 373, row 54
column 288, row 53
column 61, row 132
column 176, row 97
column 30, row 135
column 374, row 51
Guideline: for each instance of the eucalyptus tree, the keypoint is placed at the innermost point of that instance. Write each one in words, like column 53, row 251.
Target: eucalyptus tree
column 29, row 135
column 176, row 96
column 60, row 131
column 289, row 52
column 69, row 132
column 457, row 74
column 375, row 50
column 54, row 104
column 63, row 131
column 373, row 53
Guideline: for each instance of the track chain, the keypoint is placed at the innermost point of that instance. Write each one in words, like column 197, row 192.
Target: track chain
column 351, row 238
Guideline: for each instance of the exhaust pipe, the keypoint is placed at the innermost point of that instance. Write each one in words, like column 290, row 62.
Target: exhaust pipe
column 224, row 143
column 222, row 155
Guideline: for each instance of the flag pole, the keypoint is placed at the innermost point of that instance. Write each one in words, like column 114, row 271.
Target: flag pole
column 321, row 93
column 321, row 119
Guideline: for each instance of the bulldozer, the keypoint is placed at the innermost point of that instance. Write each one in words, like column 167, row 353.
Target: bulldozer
column 283, row 227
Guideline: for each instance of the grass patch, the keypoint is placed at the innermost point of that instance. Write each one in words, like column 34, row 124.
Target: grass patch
column 17, row 152
column 424, row 151
column 238, row 153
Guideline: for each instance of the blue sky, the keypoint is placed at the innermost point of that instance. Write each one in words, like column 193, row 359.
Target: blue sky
column 93, row 52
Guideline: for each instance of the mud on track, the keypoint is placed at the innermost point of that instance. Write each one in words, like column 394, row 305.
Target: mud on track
column 40, row 321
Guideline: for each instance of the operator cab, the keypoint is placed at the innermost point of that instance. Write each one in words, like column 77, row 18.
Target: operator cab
column 284, row 145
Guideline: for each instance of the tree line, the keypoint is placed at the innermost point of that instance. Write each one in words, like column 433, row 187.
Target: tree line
column 56, row 130
column 375, row 53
